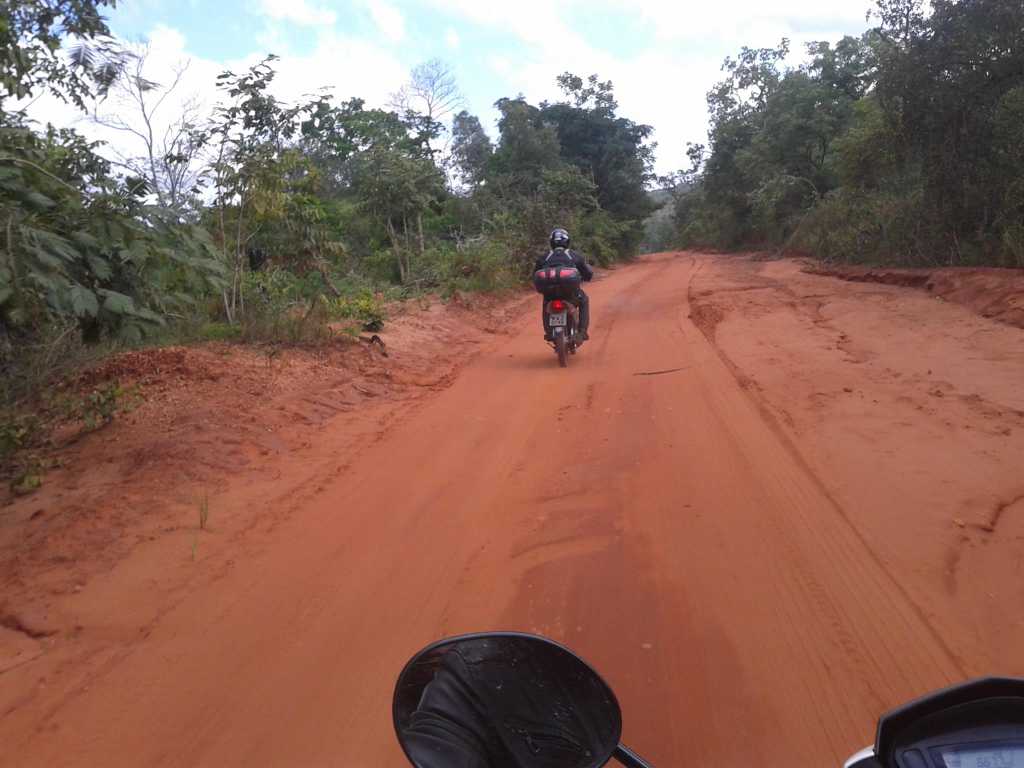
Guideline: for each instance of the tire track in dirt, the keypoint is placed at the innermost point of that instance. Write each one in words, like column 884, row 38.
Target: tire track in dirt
column 783, row 436
column 663, row 526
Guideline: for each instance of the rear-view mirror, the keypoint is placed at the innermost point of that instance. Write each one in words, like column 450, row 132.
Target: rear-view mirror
column 504, row 699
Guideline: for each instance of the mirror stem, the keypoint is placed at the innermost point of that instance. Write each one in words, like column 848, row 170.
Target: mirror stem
column 629, row 758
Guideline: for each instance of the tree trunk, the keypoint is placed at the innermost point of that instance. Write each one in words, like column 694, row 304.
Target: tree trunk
column 240, row 255
column 227, row 308
column 419, row 224
column 397, row 250
column 408, row 248
column 313, row 304
column 322, row 269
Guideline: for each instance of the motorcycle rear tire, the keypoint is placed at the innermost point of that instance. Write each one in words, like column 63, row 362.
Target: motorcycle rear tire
column 562, row 348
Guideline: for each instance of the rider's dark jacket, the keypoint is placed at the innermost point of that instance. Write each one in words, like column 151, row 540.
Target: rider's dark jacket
column 564, row 257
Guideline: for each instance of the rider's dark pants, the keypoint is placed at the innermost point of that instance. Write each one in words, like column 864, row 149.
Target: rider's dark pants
column 584, row 302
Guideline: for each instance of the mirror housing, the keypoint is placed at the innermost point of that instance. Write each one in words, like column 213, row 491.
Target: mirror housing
column 485, row 696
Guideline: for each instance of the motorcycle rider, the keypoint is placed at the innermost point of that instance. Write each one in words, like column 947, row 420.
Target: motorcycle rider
column 561, row 255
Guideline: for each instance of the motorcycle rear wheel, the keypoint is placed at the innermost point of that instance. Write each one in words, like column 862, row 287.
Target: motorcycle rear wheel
column 562, row 348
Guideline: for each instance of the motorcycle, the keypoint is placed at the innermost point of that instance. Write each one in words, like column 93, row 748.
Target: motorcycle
column 563, row 318
column 560, row 286
column 544, row 706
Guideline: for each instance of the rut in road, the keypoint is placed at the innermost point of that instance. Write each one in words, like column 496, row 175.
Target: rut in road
column 656, row 524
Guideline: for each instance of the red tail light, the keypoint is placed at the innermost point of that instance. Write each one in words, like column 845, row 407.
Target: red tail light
column 558, row 305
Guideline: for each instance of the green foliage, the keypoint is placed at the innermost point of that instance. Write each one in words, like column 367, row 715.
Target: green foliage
column 31, row 60
column 572, row 163
column 76, row 243
column 527, row 147
column 366, row 308
column 261, row 185
column 480, row 265
column 296, row 199
column 902, row 145
column 17, row 432
column 31, row 363
column 875, row 228
column 606, row 239
column 282, row 308
column 21, row 435
column 28, row 478
column 100, row 406
column 611, row 149
column 219, row 332
column 398, row 190
column 471, row 148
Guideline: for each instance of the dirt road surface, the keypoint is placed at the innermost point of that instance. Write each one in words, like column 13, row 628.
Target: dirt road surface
column 766, row 505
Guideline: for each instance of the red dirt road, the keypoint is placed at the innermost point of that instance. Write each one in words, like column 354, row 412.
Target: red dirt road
column 745, row 606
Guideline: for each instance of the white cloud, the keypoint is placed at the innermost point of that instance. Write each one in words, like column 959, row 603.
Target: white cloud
column 500, row 64
column 347, row 66
column 272, row 37
column 746, row 21
column 683, row 45
column 662, row 87
column 533, row 21
column 298, row 12
column 166, row 55
column 546, row 22
column 671, row 53
column 388, row 18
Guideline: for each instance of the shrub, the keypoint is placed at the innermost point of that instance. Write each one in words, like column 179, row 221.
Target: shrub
column 49, row 353
column 367, row 309
column 17, row 432
column 282, row 308
column 218, row 331
column 480, row 265
column 100, row 406
column 861, row 228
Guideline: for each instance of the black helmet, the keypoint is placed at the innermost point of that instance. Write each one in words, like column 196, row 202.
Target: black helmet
column 559, row 238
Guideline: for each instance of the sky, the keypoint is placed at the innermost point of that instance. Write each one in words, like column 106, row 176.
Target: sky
column 662, row 56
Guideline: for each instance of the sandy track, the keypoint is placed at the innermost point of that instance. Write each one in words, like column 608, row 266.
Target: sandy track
column 670, row 527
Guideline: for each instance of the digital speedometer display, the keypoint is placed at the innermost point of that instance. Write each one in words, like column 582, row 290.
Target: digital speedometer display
column 998, row 756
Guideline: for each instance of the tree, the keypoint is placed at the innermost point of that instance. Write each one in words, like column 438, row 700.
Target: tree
column 397, row 188
column 527, row 146
column 80, row 244
column 593, row 94
column 472, row 149
column 613, row 152
column 31, row 58
column 252, row 167
column 891, row 146
column 119, row 246
column 167, row 149
column 333, row 136
column 431, row 93
column 942, row 79
column 379, row 166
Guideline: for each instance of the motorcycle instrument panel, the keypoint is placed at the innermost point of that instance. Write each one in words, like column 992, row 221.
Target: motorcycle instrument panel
column 981, row 756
